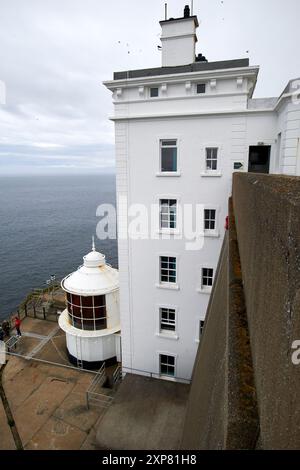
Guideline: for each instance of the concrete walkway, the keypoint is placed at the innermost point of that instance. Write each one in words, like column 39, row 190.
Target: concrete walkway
column 48, row 402
column 145, row 414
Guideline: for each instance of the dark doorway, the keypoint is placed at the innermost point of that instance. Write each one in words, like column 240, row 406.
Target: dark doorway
column 259, row 158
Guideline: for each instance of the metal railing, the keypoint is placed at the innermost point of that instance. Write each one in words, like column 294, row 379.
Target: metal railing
column 117, row 375
column 36, row 306
column 94, row 395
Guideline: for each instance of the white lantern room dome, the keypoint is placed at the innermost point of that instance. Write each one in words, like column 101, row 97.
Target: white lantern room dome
column 94, row 259
column 94, row 277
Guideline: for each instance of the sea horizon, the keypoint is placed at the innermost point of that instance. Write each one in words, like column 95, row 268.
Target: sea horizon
column 46, row 225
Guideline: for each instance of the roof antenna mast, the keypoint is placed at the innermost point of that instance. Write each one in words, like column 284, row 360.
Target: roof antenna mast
column 166, row 11
column 192, row 7
column 93, row 243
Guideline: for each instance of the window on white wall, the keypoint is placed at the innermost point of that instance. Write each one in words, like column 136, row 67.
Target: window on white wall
column 168, row 155
column 167, row 365
column 154, row 92
column 168, row 213
column 168, row 274
column 207, row 278
column 201, row 327
column 210, row 221
column 201, row 88
column 167, row 320
column 211, row 159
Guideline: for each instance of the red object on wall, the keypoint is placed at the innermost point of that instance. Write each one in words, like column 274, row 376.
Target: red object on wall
column 226, row 223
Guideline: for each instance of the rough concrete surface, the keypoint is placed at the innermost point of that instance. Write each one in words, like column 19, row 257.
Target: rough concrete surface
column 204, row 422
column 6, row 439
column 145, row 414
column 267, row 211
column 241, row 417
column 254, row 315
column 48, row 402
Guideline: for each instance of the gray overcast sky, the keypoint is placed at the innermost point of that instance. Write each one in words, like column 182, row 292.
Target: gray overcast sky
column 54, row 54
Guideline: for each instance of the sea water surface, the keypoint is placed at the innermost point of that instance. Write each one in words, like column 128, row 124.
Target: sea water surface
column 46, row 226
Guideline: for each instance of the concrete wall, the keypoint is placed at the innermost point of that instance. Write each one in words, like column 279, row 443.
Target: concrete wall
column 207, row 396
column 245, row 387
column 222, row 410
column 267, row 212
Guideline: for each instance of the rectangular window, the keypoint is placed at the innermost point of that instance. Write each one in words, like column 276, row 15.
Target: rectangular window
column 211, row 158
column 168, row 155
column 201, row 326
column 168, row 213
column 168, row 269
column 209, row 220
column 201, row 88
column 153, row 92
column 167, row 365
column 207, row 278
column 167, row 319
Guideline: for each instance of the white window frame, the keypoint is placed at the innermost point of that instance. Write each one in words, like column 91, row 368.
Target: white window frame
column 208, row 232
column 168, row 334
column 169, row 231
column 167, row 285
column 198, row 329
column 167, row 377
column 201, row 328
column 206, row 289
column 206, row 171
column 161, row 173
column 212, row 155
column 166, row 212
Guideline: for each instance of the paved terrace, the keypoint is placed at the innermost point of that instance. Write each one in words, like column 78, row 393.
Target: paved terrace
column 145, row 414
column 48, row 402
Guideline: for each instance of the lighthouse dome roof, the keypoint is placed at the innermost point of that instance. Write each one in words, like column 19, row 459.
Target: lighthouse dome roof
column 94, row 277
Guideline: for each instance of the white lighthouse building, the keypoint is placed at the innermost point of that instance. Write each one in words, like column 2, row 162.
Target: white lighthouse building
column 91, row 320
column 181, row 130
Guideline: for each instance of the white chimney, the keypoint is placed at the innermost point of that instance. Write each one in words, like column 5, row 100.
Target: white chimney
column 179, row 40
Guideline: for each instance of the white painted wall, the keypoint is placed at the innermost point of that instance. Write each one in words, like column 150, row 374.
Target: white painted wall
column 178, row 42
column 220, row 118
column 112, row 309
column 99, row 345
column 91, row 349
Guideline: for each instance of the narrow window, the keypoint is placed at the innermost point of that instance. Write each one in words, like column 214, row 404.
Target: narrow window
column 168, row 269
column 167, row 365
column 167, row 319
column 153, row 92
column 168, row 213
column 168, row 155
column 211, row 158
column 201, row 326
column 207, row 278
column 209, row 220
column 201, row 88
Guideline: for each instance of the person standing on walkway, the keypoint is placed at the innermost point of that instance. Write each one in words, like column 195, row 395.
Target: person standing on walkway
column 5, row 327
column 18, row 326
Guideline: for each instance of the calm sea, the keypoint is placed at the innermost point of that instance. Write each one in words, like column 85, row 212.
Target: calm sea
column 46, row 226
